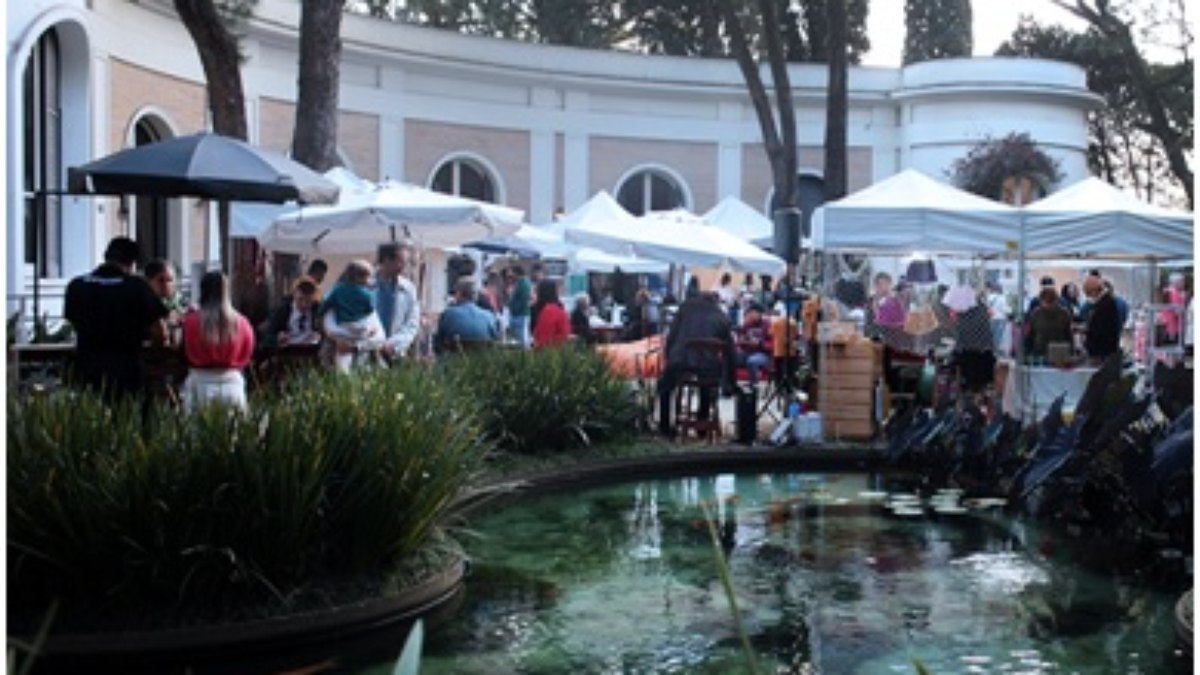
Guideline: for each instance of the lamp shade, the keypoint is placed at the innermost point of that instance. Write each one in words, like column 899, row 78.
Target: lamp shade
column 920, row 272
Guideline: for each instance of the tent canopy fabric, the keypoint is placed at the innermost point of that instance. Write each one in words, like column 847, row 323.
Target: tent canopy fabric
column 547, row 240
column 742, row 221
column 391, row 212
column 913, row 212
column 205, row 165
column 1094, row 218
column 247, row 219
column 676, row 237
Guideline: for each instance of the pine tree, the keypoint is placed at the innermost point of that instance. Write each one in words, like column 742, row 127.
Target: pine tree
column 936, row 29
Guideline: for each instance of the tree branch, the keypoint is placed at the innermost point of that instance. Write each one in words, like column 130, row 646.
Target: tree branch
column 785, row 183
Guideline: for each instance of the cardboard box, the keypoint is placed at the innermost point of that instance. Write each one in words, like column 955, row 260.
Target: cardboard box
column 858, row 398
column 843, row 429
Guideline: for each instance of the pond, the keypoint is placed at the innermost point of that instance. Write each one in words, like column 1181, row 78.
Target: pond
column 624, row 579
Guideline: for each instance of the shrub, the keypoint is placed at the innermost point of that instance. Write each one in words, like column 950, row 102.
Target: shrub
column 133, row 519
column 544, row 400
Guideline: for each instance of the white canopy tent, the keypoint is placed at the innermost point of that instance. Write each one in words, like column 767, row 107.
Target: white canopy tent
column 911, row 212
column 677, row 237
column 392, row 211
column 742, row 221
column 548, row 240
column 1093, row 218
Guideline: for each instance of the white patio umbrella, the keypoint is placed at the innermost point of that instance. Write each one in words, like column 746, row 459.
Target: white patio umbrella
column 676, row 237
column 248, row 219
column 392, row 212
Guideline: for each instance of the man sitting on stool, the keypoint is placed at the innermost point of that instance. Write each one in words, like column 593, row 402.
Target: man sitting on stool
column 698, row 317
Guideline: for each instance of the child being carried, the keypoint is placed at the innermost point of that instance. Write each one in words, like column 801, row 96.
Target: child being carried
column 353, row 305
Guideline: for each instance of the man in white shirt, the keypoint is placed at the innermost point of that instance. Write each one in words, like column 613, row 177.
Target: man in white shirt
column 396, row 303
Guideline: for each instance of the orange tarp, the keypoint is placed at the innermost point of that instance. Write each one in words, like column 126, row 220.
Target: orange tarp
column 633, row 360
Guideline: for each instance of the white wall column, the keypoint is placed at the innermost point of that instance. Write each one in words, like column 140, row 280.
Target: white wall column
column 575, row 150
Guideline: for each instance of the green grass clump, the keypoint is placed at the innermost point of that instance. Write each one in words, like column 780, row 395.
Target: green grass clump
column 150, row 520
column 545, row 401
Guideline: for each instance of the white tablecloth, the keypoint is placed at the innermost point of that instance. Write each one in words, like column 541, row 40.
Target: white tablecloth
column 1033, row 388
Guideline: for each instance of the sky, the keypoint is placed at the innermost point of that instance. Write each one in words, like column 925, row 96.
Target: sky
column 993, row 22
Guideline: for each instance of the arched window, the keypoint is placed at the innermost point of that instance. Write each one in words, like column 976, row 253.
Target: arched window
column 465, row 177
column 43, row 157
column 650, row 190
column 150, row 224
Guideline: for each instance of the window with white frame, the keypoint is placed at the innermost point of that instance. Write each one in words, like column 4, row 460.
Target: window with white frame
column 465, row 177
column 43, row 156
column 650, row 190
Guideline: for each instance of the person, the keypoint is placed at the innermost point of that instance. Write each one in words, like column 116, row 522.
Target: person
column 725, row 292
column 974, row 354
column 697, row 317
column 396, row 304
column 160, row 274
column 113, row 313
column 1035, row 301
column 1050, row 322
column 636, row 326
column 464, row 321
column 1102, row 335
column 998, row 310
column 581, row 323
column 518, row 306
column 1122, row 306
column 692, row 290
column 537, row 272
column 887, row 308
column 1070, row 299
column 218, row 343
column 317, row 269
column 550, row 323
column 753, row 338
column 295, row 322
column 1169, row 319
column 352, row 305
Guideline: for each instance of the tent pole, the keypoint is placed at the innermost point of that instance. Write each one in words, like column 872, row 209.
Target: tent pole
column 1023, row 381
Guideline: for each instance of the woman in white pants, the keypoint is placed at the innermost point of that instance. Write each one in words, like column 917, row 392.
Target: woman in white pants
column 217, row 343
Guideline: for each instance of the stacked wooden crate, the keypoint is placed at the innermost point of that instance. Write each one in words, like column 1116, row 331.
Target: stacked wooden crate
column 850, row 369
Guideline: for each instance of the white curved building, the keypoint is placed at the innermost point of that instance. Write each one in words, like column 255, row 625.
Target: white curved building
column 534, row 126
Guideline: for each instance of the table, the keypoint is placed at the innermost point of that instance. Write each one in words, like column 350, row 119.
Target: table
column 1031, row 389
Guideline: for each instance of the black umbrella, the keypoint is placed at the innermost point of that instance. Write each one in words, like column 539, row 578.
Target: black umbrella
column 203, row 165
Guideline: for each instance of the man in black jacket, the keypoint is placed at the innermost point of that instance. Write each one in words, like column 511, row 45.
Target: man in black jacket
column 113, row 313
column 698, row 317
column 1103, row 336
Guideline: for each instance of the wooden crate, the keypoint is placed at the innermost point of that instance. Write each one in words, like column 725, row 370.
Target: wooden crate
column 848, row 375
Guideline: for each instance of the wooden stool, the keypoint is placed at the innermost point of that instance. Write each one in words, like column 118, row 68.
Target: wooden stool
column 698, row 385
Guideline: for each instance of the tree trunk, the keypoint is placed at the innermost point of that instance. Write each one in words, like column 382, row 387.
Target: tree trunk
column 758, row 93
column 786, row 190
column 217, row 47
column 314, row 139
column 836, row 110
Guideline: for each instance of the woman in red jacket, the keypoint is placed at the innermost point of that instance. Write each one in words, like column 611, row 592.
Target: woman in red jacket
column 217, row 343
column 550, row 323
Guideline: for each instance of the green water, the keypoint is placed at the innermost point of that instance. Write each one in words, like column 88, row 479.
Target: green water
column 623, row 579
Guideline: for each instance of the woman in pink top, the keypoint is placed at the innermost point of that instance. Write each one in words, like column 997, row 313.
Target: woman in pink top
column 1174, row 294
column 217, row 343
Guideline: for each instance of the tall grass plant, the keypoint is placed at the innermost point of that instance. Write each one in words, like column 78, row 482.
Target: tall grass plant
column 544, row 401
column 135, row 518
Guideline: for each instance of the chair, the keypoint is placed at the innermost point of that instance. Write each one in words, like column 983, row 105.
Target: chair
column 461, row 345
column 698, row 386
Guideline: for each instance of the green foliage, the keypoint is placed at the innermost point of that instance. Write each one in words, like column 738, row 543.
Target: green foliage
column 544, row 400
column 1120, row 147
column 936, row 29
column 163, row 519
column 992, row 161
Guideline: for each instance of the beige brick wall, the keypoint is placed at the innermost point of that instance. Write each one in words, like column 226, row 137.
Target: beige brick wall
column 358, row 134
column 611, row 158
column 756, row 170
column 426, row 143
column 135, row 88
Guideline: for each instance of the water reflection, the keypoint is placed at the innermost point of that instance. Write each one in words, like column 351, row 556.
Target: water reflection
column 623, row 580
